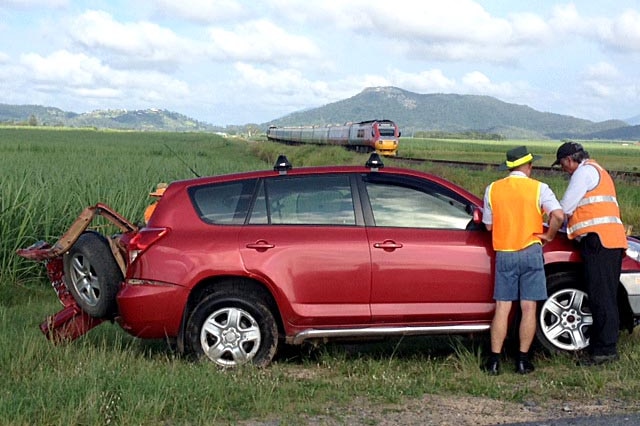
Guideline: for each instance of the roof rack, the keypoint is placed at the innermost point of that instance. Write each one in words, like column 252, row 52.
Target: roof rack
column 374, row 162
column 282, row 165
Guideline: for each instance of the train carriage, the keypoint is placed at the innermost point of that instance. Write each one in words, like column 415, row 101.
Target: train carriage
column 366, row 136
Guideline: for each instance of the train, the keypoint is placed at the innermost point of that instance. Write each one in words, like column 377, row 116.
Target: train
column 366, row 136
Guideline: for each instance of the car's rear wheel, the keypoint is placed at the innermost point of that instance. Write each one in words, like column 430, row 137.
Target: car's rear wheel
column 232, row 328
column 564, row 319
column 92, row 275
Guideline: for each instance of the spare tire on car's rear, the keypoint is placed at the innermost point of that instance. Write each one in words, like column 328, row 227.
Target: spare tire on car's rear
column 92, row 275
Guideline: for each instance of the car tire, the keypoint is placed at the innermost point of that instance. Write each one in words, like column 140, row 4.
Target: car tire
column 92, row 275
column 564, row 319
column 232, row 328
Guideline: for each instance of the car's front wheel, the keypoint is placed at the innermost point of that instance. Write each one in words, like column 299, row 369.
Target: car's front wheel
column 564, row 319
column 232, row 328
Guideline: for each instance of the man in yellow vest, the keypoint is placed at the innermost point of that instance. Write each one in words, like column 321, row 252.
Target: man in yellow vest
column 514, row 209
column 594, row 221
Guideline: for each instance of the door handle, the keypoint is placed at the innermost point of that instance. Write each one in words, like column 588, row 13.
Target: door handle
column 260, row 245
column 388, row 245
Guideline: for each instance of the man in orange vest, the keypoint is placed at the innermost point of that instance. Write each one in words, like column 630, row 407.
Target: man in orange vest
column 514, row 209
column 594, row 221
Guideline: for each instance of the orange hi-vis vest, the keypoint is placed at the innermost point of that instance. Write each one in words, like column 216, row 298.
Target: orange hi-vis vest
column 598, row 212
column 515, row 204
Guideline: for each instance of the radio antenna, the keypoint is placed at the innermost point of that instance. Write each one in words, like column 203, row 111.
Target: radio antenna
column 181, row 160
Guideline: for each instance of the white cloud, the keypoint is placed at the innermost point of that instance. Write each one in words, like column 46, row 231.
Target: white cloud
column 88, row 76
column 140, row 42
column 623, row 33
column 422, row 82
column 458, row 30
column 565, row 19
column 478, row 83
column 281, row 82
column 602, row 71
column 33, row 3
column 261, row 41
column 201, row 11
column 63, row 67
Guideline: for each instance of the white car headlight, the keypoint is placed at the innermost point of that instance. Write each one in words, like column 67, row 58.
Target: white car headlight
column 634, row 250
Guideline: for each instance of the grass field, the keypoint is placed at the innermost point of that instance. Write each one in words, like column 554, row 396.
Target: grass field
column 109, row 377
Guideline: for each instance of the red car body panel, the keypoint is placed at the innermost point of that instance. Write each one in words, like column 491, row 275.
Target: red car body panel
column 434, row 277
column 151, row 311
column 322, row 274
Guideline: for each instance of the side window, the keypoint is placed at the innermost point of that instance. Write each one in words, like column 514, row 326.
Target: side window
column 398, row 205
column 223, row 203
column 305, row 200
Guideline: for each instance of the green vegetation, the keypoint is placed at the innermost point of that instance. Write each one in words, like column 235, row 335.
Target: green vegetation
column 453, row 113
column 109, row 377
column 149, row 119
column 51, row 175
column 473, row 135
column 418, row 115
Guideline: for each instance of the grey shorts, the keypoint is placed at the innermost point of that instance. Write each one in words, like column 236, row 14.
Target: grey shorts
column 520, row 275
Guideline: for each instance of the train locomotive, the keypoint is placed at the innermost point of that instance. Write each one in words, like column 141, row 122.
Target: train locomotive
column 366, row 136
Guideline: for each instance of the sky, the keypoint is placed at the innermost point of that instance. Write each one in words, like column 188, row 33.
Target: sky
column 234, row 62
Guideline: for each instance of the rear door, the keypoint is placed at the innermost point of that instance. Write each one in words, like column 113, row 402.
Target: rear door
column 429, row 264
column 306, row 238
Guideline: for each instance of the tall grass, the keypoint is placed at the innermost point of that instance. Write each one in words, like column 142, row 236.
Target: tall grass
column 49, row 176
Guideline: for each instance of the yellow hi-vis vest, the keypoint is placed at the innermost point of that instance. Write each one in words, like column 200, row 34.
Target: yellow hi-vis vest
column 598, row 212
column 515, row 204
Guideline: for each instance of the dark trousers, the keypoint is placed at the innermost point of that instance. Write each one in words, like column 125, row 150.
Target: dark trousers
column 602, row 273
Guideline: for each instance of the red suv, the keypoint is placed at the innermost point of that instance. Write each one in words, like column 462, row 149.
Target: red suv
column 231, row 267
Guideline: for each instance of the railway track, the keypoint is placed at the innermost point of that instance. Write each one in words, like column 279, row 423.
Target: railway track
column 629, row 176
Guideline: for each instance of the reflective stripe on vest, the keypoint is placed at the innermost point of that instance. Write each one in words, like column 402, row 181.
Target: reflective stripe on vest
column 592, row 222
column 598, row 199
column 599, row 212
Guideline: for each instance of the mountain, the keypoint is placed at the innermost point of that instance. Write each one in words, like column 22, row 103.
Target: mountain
column 449, row 113
column 149, row 119
column 412, row 112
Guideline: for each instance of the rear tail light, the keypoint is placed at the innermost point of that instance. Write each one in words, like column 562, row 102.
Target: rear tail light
column 143, row 240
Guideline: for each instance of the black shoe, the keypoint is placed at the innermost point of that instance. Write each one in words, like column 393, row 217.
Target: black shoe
column 592, row 360
column 524, row 366
column 492, row 367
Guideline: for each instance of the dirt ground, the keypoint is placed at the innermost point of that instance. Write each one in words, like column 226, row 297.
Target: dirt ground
column 456, row 411
column 463, row 411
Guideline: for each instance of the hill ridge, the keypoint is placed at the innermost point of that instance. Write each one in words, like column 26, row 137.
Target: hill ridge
column 439, row 112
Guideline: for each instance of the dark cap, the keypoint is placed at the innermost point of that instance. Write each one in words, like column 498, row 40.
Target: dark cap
column 567, row 149
column 517, row 157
